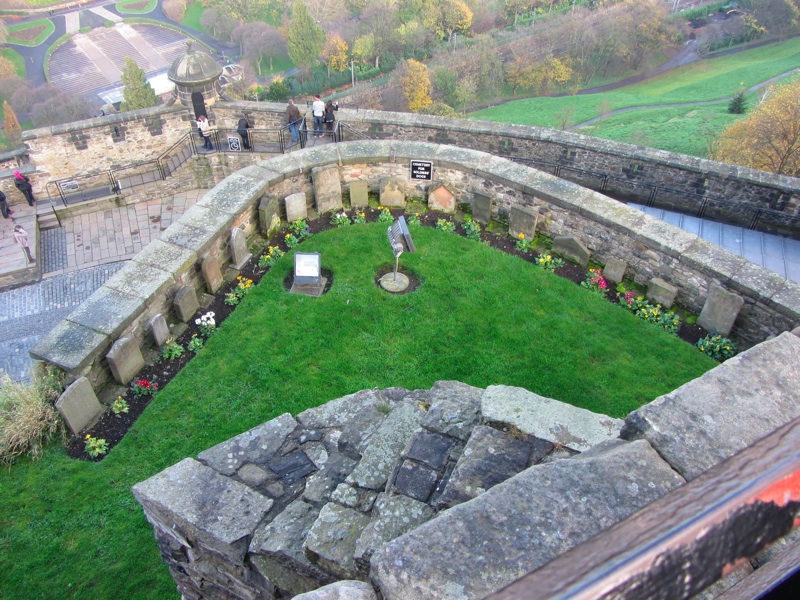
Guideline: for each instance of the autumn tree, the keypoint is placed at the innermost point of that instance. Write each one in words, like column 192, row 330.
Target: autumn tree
column 379, row 25
column 174, row 9
column 243, row 11
column 769, row 137
column 416, row 85
column 778, row 17
column 258, row 41
column 334, row 53
column 3, row 32
column 305, row 38
column 138, row 93
column 6, row 68
column 218, row 23
column 447, row 17
column 11, row 124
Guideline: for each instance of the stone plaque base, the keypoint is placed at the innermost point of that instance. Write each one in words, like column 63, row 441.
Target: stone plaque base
column 315, row 291
column 394, row 284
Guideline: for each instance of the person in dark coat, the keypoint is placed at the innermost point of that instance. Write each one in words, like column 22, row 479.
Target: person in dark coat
column 241, row 129
column 24, row 185
column 4, row 206
column 329, row 117
column 293, row 118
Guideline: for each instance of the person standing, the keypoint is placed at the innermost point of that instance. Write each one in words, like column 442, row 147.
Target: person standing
column 4, row 206
column 21, row 237
column 241, row 129
column 205, row 132
column 329, row 117
column 24, row 185
column 293, row 119
column 318, row 110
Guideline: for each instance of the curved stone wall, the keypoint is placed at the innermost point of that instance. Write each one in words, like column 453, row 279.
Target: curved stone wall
column 124, row 305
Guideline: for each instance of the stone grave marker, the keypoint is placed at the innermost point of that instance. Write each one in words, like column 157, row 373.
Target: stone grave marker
column 661, row 292
column 523, row 219
column 125, row 360
column 296, row 208
column 185, row 303
column 720, row 310
column 327, row 188
column 212, row 274
column 442, row 199
column 159, row 328
column 482, row 208
column 393, row 192
column 78, row 405
column 571, row 247
column 269, row 215
column 359, row 194
column 239, row 253
column 614, row 271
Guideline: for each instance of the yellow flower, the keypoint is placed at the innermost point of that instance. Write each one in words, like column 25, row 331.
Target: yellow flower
column 88, row 436
column 416, row 214
column 288, row 235
column 521, row 236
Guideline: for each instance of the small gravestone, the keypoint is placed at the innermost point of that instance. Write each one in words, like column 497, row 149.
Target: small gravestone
column 614, row 271
column 160, row 330
column 308, row 279
column 212, row 274
column 661, row 292
column 442, row 199
column 185, row 303
column 720, row 311
column 482, row 208
column 523, row 219
column 327, row 188
column 359, row 194
column 239, row 253
column 392, row 192
column 269, row 215
column 296, row 207
column 125, row 360
column 571, row 247
column 78, row 405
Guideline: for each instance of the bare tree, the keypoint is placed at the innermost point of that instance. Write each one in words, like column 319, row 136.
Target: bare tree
column 220, row 24
column 258, row 41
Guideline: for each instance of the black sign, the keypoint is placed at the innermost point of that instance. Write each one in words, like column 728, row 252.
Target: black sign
column 422, row 169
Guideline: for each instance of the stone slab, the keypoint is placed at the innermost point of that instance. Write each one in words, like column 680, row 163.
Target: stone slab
column 78, row 405
column 338, row 413
column 234, row 194
column 393, row 192
column 725, row 410
column 218, row 511
column 159, row 329
column 359, row 194
column 327, row 188
column 141, row 280
column 661, row 292
column 455, row 409
column 482, row 208
column 548, row 419
column 720, row 310
column 341, row 590
column 238, row 246
column 269, row 215
column 430, row 448
column 442, row 199
column 614, row 270
column 478, row 547
column 571, row 247
column 125, row 360
column 185, row 303
column 523, row 219
column 415, row 480
column 331, row 541
column 108, row 311
column 71, row 346
column 258, row 445
column 212, row 274
column 167, row 257
column 296, row 207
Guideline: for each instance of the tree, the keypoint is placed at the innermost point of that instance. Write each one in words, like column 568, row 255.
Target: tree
column 334, row 53
column 174, row 9
column 380, row 23
column 11, row 124
column 447, row 17
column 769, row 138
column 305, row 38
column 60, row 107
column 738, row 104
column 258, row 41
column 138, row 92
column 7, row 68
column 466, row 91
column 416, row 85
column 220, row 24
column 778, row 17
column 243, row 11
column 3, row 32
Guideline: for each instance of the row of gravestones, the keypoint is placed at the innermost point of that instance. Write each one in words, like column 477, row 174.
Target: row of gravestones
column 79, row 405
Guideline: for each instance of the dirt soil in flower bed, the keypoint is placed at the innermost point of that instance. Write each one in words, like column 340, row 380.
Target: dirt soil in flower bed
column 27, row 34
column 113, row 428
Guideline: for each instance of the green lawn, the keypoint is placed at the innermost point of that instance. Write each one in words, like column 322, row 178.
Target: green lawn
column 191, row 18
column 279, row 65
column 71, row 529
column 125, row 7
column 46, row 32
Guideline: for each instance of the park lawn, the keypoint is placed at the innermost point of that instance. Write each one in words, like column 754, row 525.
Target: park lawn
column 279, row 65
column 191, row 18
column 41, row 3
column 72, row 529
column 126, row 7
column 47, row 30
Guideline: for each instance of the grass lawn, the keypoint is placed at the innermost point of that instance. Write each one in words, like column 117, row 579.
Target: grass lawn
column 134, row 6
column 71, row 529
column 18, row 34
column 191, row 18
column 279, row 65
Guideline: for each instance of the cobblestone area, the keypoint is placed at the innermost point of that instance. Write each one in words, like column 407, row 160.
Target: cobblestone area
column 53, row 250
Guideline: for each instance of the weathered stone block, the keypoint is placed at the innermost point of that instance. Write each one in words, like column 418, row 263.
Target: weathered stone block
column 429, row 448
column 455, row 409
column 482, row 208
column 715, row 416
column 523, row 219
column 442, row 199
column 125, row 360
column 331, row 541
column 296, row 207
column 269, row 215
column 185, row 303
column 212, row 274
column 548, row 419
column 341, row 590
column 720, row 310
column 572, row 248
column 327, row 188
column 661, row 292
column 239, row 252
column 614, row 270
column 159, row 329
column 359, row 194
column 392, row 192
column 414, row 480
column 78, row 405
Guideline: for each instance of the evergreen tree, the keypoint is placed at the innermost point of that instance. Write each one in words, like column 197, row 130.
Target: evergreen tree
column 305, row 38
column 738, row 104
column 11, row 125
column 138, row 92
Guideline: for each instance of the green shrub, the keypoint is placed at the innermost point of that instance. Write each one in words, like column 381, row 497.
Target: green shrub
column 717, row 347
column 28, row 420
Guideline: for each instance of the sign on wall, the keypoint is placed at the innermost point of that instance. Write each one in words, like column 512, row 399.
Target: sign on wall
column 422, row 170
column 234, row 143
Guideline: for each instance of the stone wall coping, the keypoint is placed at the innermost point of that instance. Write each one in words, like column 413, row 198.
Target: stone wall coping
column 190, row 237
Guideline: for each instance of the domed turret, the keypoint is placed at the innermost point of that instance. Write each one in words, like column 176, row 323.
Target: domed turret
column 196, row 77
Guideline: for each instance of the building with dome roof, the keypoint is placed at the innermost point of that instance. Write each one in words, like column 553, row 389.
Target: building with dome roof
column 196, row 76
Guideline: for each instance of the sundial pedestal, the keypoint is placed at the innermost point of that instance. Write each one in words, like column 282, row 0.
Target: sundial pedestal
column 394, row 283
